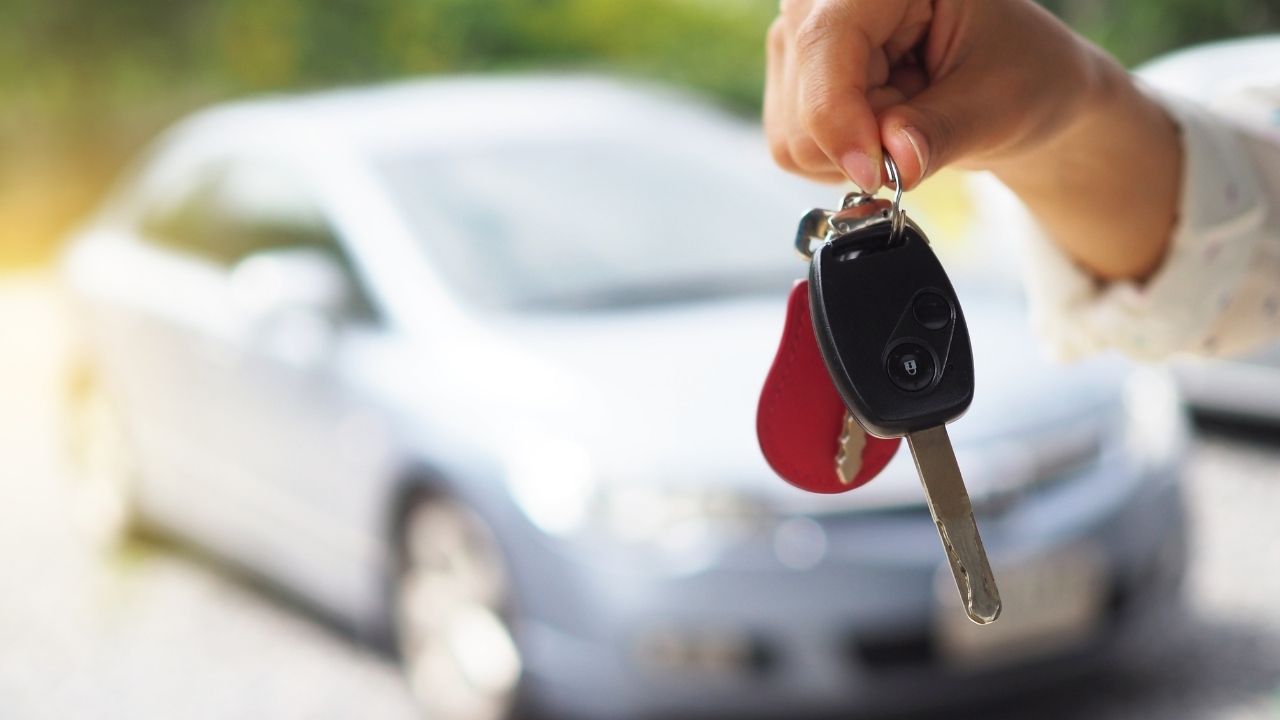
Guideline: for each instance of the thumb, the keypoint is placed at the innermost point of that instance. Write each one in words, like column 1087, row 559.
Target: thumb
column 933, row 129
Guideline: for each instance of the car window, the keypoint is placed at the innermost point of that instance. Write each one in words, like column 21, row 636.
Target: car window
column 600, row 221
column 237, row 208
column 185, row 220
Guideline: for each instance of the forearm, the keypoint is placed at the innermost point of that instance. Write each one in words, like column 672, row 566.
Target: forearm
column 1106, row 188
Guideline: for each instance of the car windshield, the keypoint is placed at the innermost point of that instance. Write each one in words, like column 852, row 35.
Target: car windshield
column 601, row 222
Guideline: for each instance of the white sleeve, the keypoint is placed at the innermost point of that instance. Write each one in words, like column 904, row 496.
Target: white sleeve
column 1218, row 288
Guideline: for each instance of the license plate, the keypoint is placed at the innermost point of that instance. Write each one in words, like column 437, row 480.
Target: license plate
column 1052, row 601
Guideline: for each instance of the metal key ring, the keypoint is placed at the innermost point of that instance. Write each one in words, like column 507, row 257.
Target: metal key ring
column 826, row 225
column 897, row 217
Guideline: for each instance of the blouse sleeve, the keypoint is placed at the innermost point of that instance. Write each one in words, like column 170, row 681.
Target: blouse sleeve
column 1217, row 290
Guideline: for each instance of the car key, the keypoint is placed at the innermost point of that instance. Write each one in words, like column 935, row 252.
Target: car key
column 853, row 441
column 805, row 431
column 894, row 339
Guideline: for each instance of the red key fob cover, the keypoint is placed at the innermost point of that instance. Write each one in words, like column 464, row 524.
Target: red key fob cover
column 801, row 415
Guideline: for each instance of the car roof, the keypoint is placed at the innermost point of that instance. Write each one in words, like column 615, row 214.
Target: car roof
column 1207, row 72
column 447, row 111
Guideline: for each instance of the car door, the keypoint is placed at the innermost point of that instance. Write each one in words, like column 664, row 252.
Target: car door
column 269, row 453
column 165, row 332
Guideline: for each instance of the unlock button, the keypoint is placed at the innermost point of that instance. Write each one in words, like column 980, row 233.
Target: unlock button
column 910, row 366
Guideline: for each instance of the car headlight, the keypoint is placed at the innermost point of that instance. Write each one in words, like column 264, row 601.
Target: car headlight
column 553, row 481
column 1156, row 425
column 681, row 517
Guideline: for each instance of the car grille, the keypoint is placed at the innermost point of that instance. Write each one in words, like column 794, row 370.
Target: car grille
column 1065, row 453
column 997, row 476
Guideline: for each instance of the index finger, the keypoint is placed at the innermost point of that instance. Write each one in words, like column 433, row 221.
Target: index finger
column 833, row 48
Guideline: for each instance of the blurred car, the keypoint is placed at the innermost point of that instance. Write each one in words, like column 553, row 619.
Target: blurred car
column 1245, row 388
column 471, row 365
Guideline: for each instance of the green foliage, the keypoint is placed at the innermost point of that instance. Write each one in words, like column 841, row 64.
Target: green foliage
column 1137, row 30
column 71, row 61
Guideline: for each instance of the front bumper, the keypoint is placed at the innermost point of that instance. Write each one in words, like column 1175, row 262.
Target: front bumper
column 750, row 637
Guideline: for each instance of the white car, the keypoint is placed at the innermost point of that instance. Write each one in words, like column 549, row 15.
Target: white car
column 471, row 365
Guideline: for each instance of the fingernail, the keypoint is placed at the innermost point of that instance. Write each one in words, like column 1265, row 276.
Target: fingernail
column 919, row 146
column 862, row 170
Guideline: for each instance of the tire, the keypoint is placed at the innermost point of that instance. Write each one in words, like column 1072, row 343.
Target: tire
column 102, row 481
column 452, row 608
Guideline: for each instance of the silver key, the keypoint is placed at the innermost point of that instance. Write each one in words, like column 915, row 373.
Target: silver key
column 949, row 504
column 895, row 341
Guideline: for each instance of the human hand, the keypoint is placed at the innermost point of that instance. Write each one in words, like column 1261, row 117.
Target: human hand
column 981, row 83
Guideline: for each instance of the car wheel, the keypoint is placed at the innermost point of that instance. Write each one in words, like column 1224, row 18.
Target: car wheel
column 452, row 607
column 104, row 470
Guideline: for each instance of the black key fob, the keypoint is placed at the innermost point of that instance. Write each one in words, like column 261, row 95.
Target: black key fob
column 891, row 329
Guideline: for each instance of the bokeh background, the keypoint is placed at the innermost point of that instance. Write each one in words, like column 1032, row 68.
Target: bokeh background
column 84, row 84
column 158, row 631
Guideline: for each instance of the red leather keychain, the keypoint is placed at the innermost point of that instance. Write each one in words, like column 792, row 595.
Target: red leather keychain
column 801, row 417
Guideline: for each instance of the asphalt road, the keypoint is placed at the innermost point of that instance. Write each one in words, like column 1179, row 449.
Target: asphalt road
column 155, row 632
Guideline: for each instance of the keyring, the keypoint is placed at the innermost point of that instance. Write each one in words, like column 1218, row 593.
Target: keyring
column 826, row 225
column 897, row 217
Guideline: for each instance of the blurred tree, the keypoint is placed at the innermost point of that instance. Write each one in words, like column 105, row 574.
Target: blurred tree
column 85, row 82
column 1138, row 30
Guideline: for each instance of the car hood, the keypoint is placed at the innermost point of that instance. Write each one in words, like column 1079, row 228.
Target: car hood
column 668, row 394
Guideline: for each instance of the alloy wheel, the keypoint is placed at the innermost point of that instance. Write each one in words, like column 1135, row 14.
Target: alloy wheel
column 452, row 603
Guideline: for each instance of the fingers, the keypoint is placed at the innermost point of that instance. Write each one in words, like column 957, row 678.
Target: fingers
column 832, row 58
column 831, row 68
column 792, row 150
column 882, row 98
column 936, row 127
column 775, row 97
column 910, row 152
column 791, row 147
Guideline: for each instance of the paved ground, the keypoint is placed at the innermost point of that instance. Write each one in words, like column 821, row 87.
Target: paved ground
column 1224, row 663
column 155, row 633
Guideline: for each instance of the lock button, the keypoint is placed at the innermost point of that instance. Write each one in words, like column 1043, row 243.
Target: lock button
column 911, row 366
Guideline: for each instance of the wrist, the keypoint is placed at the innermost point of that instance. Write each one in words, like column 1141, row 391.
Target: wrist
column 1105, row 187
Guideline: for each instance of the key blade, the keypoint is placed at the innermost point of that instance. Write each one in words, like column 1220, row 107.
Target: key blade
column 953, row 514
column 852, row 442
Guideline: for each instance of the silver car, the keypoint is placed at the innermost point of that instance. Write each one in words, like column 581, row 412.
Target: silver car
column 471, row 366
column 1243, row 388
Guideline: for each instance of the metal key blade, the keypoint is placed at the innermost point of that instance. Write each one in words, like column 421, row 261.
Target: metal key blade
column 949, row 504
column 852, row 442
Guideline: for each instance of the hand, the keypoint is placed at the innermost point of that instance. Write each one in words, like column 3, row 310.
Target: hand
column 933, row 81
column 997, row 85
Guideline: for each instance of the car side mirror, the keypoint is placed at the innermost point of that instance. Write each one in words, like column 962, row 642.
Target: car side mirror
column 292, row 301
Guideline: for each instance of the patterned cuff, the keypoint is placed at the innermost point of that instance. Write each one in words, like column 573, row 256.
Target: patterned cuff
column 1216, row 235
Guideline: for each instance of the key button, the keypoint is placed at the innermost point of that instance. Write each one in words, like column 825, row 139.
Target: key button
column 910, row 366
column 932, row 310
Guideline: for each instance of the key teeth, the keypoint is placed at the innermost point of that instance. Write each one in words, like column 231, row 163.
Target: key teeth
column 849, row 457
column 949, row 504
column 989, row 614
column 979, row 616
column 990, row 611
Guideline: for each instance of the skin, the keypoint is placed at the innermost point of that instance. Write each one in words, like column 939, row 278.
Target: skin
column 996, row 85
